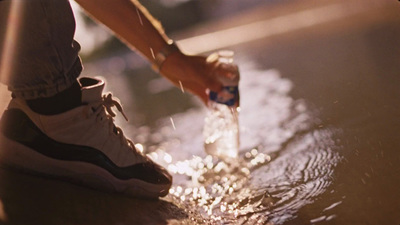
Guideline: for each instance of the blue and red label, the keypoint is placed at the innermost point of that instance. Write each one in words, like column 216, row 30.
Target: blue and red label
column 229, row 96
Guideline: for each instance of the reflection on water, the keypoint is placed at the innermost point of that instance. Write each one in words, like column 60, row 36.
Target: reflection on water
column 342, row 97
column 286, row 160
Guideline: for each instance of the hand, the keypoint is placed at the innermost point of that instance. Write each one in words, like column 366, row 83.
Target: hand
column 193, row 72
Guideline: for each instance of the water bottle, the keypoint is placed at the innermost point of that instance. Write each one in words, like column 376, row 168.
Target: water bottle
column 221, row 127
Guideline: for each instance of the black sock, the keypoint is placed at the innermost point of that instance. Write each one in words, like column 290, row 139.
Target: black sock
column 59, row 103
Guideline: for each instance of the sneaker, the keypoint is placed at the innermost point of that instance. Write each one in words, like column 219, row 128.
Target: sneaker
column 82, row 145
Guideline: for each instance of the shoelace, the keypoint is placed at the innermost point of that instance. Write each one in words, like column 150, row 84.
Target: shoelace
column 108, row 102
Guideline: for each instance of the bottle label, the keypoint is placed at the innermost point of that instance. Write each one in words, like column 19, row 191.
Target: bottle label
column 229, row 96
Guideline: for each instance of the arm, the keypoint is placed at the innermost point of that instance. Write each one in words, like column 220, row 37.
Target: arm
column 131, row 22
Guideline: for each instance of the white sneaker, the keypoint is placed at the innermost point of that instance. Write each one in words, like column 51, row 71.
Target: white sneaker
column 82, row 145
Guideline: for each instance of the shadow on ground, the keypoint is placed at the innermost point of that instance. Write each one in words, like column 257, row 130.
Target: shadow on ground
column 26, row 199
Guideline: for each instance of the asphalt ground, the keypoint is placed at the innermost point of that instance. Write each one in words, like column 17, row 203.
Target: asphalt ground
column 341, row 56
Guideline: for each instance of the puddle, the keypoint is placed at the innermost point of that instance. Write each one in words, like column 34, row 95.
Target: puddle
column 285, row 162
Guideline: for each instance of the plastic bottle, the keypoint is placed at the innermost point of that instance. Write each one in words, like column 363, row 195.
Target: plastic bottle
column 221, row 127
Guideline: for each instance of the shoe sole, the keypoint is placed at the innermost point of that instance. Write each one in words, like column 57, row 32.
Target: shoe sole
column 21, row 157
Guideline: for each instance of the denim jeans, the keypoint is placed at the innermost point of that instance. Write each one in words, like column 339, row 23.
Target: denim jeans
column 44, row 59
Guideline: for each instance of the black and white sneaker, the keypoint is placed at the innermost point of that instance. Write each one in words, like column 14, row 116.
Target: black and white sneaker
column 82, row 145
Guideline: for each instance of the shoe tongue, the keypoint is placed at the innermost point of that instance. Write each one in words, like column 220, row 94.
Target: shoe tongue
column 92, row 89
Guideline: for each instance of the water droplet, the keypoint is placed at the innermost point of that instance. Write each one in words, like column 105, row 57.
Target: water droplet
column 188, row 191
column 153, row 156
column 200, row 165
column 172, row 122
column 181, row 85
column 332, row 206
column 172, row 169
column 201, row 179
column 167, row 158
column 223, row 208
column 140, row 18
column 152, row 53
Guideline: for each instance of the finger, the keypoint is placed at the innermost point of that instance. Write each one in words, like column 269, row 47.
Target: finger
column 212, row 83
column 204, row 73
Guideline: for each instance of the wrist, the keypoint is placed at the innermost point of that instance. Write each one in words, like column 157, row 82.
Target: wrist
column 161, row 56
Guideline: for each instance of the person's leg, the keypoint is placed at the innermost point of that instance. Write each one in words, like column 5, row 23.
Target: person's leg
column 45, row 57
column 45, row 60
column 60, row 126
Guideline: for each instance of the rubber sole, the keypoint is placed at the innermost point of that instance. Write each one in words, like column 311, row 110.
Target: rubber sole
column 21, row 157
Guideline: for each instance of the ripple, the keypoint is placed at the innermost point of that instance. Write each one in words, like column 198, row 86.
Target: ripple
column 302, row 172
column 286, row 160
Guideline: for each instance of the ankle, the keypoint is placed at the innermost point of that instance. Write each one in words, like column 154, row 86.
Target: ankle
column 59, row 103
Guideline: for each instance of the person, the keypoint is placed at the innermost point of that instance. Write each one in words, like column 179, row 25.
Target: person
column 60, row 124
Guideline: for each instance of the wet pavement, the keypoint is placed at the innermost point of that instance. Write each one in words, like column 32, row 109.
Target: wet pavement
column 319, row 124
